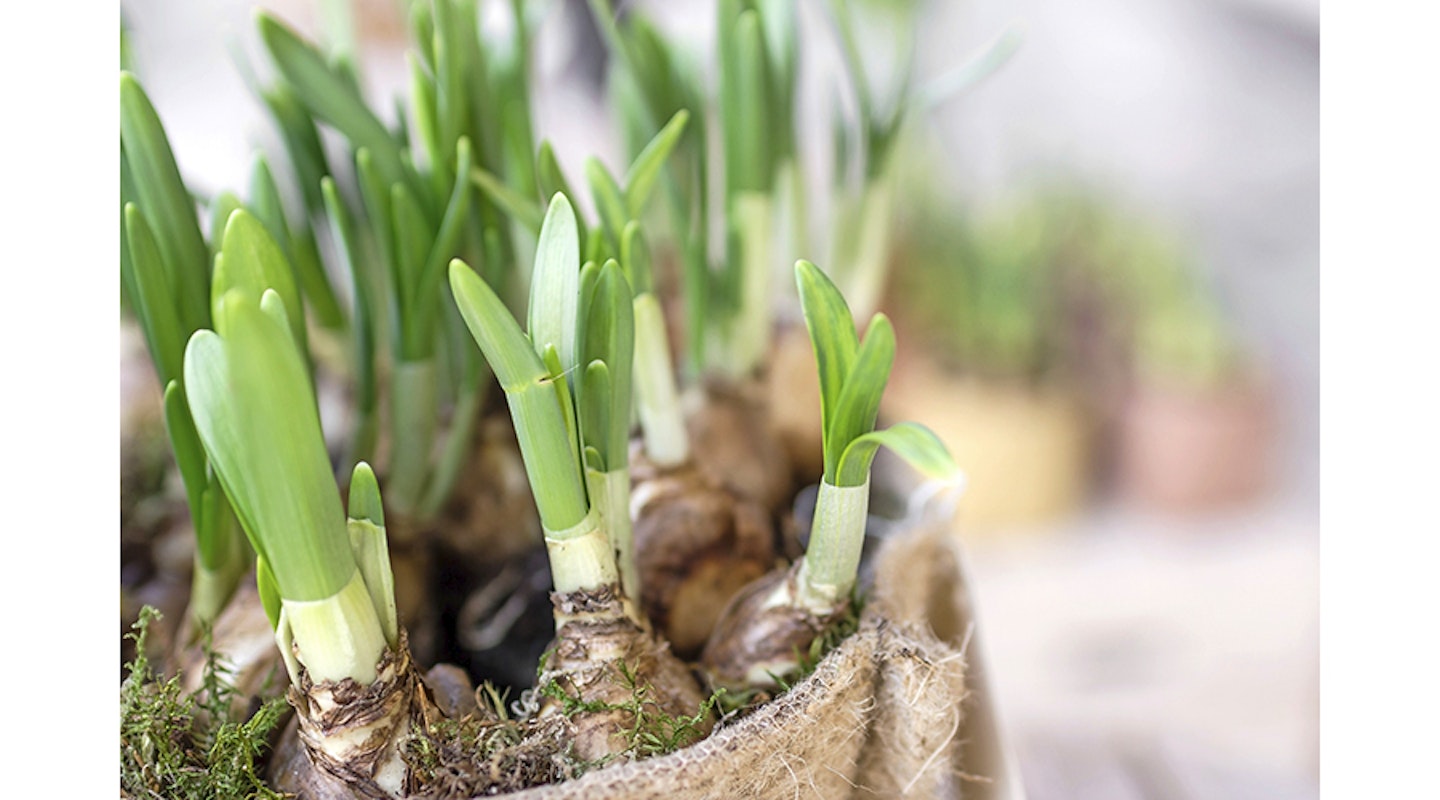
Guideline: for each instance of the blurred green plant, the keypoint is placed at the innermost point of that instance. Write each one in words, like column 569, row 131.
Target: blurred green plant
column 1040, row 288
column 982, row 288
column 1178, row 332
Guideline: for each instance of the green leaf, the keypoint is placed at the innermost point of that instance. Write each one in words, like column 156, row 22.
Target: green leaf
column 565, row 400
column 589, row 277
column 347, row 242
column 914, row 442
column 550, row 180
column 422, row 100
column 160, row 193
column 555, row 284
column 274, row 307
column 368, row 542
column 302, row 142
column 595, row 413
column 155, row 306
column 185, row 443
column 413, row 238
column 597, row 247
column 265, row 202
column 608, row 200
column 523, row 210
column 458, row 444
column 593, row 460
column 450, row 79
column 743, row 98
column 778, row 23
column 251, row 260
column 507, row 349
column 422, row 318
column 832, row 336
column 250, row 396
column 548, row 173
column 222, row 206
column 646, row 167
column 269, row 590
column 370, row 548
column 127, row 270
column 635, row 259
column 422, row 31
column 329, row 95
column 216, row 531
column 859, row 404
column 375, row 193
column 297, row 244
column 517, row 141
column 609, row 338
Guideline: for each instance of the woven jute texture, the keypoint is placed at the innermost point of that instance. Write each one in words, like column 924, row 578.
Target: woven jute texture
column 879, row 716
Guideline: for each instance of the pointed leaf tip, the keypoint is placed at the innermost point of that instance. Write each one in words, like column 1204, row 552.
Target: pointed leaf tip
column 365, row 502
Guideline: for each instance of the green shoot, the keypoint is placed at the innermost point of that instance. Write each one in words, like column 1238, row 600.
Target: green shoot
column 254, row 408
column 356, row 256
column 535, row 378
column 607, row 347
column 853, row 373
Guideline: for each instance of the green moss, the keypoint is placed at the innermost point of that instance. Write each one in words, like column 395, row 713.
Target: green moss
column 182, row 746
column 653, row 731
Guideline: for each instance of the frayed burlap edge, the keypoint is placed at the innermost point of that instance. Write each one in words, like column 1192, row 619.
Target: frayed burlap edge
column 879, row 717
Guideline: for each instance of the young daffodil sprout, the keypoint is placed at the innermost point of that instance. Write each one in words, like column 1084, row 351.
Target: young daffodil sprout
column 773, row 622
column 324, row 579
column 697, row 540
column 568, row 386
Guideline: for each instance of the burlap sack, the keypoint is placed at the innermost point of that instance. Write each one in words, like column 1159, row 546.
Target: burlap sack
column 880, row 717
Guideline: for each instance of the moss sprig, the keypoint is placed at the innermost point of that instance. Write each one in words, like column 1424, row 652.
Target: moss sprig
column 653, row 731
column 180, row 746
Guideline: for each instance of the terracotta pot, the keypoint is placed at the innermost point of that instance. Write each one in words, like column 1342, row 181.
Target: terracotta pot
column 1186, row 449
column 1025, row 451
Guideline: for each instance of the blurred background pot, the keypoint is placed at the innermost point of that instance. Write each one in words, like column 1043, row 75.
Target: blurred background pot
column 1186, row 448
column 1025, row 449
column 1195, row 429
